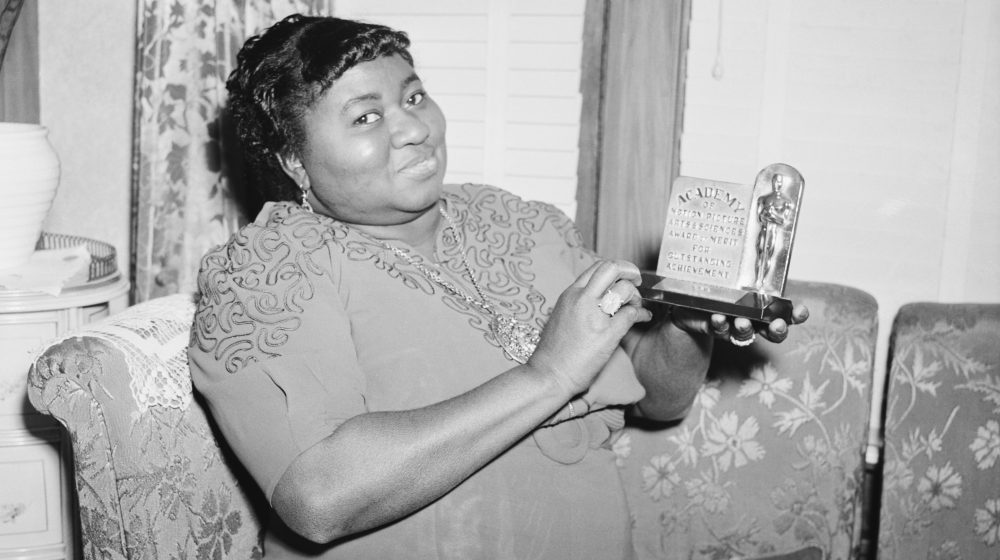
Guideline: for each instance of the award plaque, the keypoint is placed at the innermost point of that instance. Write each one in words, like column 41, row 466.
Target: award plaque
column 726, row 246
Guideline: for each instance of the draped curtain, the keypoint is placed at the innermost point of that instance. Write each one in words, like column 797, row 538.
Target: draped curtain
column 184, row 199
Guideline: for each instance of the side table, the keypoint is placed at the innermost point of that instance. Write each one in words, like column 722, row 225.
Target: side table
column 37, row 516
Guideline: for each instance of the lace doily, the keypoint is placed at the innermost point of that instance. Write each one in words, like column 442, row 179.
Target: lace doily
column 153, row 337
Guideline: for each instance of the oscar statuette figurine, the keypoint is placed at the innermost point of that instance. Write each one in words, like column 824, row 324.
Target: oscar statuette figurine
column 726, row 246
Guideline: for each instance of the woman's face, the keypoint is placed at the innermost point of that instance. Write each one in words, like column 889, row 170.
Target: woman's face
column 374, row 151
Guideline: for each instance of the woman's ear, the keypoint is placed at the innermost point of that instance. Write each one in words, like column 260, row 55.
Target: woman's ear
column 292, row 166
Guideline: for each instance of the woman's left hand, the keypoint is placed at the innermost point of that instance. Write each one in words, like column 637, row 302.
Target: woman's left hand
column 740, row 331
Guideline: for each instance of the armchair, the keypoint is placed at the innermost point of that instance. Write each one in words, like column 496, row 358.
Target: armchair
column 152, row 480
column 769, row 459
column 941, row 480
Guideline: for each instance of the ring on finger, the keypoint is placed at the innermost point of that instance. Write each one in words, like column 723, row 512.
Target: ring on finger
column 743, row 341
column 611, row 302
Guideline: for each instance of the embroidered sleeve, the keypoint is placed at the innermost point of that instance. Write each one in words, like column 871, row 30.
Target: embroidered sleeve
column 271, row 349
column 566, row 234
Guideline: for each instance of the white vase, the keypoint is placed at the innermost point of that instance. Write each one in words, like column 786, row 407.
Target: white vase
column 29, row 177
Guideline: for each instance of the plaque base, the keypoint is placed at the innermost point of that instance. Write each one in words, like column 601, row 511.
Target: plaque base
column 715, row 299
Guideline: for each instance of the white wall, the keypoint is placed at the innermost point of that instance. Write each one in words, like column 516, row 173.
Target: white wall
column 85, row 90
column 890, row 111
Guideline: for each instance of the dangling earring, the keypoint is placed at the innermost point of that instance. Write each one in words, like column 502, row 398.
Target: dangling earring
column 304, row 202
column 305, row 199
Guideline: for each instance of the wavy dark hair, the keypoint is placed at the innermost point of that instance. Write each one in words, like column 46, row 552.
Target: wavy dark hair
column 281, row 73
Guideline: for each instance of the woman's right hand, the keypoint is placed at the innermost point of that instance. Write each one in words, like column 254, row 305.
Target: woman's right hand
column 581, row 333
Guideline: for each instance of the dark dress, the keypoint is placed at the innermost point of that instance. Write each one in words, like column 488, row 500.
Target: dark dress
column 304, row 322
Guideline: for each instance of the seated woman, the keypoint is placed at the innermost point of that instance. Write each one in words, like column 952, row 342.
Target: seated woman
column 410, row 369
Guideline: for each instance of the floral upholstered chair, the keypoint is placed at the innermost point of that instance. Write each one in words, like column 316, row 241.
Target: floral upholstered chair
column 769, row 459
column 151, row 479
column 941, row 479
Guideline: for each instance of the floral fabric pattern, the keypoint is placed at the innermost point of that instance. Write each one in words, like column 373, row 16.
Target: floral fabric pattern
column 151, row 480
column 183, row 181
column 769, row 458
column 941, row 479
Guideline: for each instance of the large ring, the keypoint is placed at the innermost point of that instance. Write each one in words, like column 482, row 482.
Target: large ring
column 741, row 342
column 611, row 303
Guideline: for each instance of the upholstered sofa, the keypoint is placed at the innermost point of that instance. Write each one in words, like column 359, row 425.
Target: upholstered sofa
column 770, row 458
column 769, row 461
column 941, row 481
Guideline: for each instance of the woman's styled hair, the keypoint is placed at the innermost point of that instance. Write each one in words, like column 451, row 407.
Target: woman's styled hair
column 281, row 73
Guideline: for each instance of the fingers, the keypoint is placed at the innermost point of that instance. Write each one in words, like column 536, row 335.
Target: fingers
column 629, row 315
column 799, row 314
column 742, row 332
column 584, row 278
column 719, row 325
column 739, row 331
column 733, row 328
column 588, row 322
column 620, row 293
column 776, row 330
column 696, row 321
column 611, row 301
column 597, row 279
column 742, row 328
column 613, row 284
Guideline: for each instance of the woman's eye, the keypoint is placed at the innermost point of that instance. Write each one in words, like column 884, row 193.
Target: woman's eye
column 368, row 118
column 417, row 98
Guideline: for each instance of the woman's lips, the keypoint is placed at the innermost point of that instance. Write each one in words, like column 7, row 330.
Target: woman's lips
column 422, row 168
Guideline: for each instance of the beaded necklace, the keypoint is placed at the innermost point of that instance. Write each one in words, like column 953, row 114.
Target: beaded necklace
column 517, row 338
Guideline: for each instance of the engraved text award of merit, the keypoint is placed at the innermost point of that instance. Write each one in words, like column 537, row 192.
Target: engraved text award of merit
column 726, row 246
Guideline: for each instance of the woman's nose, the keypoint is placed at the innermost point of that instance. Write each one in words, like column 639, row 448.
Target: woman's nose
column 408, row 128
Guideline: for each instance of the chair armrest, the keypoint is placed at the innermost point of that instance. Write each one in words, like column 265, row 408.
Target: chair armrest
column 151, row 477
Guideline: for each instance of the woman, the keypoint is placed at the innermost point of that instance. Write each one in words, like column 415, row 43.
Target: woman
column 370, row 345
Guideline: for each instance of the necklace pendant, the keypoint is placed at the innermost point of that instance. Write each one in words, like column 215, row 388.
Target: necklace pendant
column 518, row 339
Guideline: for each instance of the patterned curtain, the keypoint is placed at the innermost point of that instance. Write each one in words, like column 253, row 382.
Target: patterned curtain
column 184, row 200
